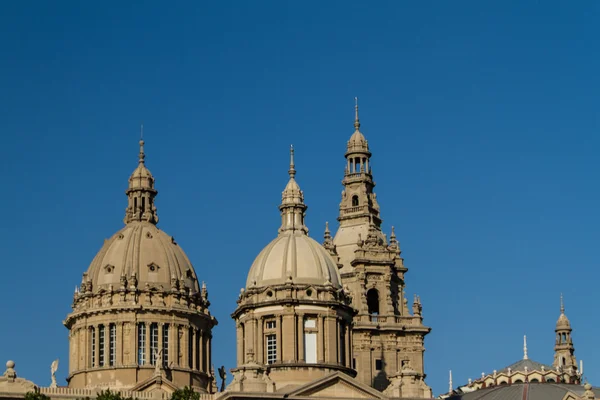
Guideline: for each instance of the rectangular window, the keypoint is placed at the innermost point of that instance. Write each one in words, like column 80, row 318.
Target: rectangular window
column 271, row 324
column 141, row 343
column 310, row 323
column 112, row 344
column 93, row 346
column 378, row 365
column 153, row 343
column 271, row 348
column 165, row 345
column 354, row 363
column 101, row 345
column 310, row 347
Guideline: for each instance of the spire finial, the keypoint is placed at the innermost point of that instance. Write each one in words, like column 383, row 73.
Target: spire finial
column 327, row 227
column 292, row 170
column 356, row 120
column 562, row 304
column 450, row 385
column 525, row 357
column 142, row 156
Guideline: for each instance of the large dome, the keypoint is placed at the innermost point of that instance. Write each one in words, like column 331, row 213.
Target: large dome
column 142, row 250
column 293, row 257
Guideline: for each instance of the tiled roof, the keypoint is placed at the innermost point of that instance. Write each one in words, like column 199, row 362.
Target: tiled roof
column 525, row 391
column 530, row 364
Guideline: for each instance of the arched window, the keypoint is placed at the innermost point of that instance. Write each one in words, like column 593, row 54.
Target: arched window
column 373, row 304
column 354, row 201
column 550, row 380
column 518, row 381
column 534, row 380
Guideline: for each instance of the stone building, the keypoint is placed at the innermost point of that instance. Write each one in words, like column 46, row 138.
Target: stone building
column 314, row 320
column 529, row 379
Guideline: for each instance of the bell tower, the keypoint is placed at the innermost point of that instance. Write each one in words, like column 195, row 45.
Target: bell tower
column 564, row 350
column 387, row 340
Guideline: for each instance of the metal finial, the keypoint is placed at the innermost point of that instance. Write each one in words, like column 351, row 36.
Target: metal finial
column 327, row 227
column 525, row 357
column 142, row 155
column 562, row 304
column 356, row 120
column 292, row 170
column 450, row 386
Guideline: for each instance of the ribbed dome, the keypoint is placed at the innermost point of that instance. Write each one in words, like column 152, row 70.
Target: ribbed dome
column 142, row 249
column 563, row 321
column 357, row 138
column 293, row 254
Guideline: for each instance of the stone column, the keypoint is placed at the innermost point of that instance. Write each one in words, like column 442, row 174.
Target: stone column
column 289, row 333
column 280, row 340
column 185, row 352
column 202, row 354
column 147, row 343
column 260, row 352
column 249, row 337
column 339, row 340
column 240, row 344
column 331, row 341
column 300, row 335
column 208, row 352
column 87, row 359
column 194, row 339
column 131, row 335
column 320, row 339
column 348, row 347
column 118, row 343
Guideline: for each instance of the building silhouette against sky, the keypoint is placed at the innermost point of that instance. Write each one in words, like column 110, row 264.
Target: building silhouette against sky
column 322, row 320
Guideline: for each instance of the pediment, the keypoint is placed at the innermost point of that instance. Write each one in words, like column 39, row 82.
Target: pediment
column 155, row 384
column 337, row 385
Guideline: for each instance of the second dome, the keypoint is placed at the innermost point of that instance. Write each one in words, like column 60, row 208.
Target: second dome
column 293, row 257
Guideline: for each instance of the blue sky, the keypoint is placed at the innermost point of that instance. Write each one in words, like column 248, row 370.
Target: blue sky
column 482, row 118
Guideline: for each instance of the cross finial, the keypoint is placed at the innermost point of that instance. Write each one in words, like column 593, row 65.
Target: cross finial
column 356, row 120
column 562, row 304
column 292, row 170
column 525, row 357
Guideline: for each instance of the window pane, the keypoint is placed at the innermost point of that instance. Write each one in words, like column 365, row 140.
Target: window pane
column 165, row 345
column 141, row 343
column 112, row 343
column 101, row 345
column 153, row 342
column 93, row 345
column 271, row 349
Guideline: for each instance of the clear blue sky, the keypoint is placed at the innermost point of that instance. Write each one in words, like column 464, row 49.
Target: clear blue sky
column 482, row 118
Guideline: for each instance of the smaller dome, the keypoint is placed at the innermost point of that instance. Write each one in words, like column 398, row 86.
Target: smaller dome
column 563, row 321
column 293, row 255
column 357, row 138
